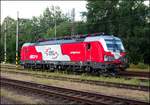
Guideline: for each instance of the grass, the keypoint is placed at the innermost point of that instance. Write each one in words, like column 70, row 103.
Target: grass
column 134, row 81
column 139, row 67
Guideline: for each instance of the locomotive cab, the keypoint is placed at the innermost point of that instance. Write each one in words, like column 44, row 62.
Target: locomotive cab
column 113, row 53
column 115, row 47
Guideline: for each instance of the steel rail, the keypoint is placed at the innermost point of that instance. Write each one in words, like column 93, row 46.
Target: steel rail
column 126, row 77
column 79, row 96
column 99, row 83
column 135, row 73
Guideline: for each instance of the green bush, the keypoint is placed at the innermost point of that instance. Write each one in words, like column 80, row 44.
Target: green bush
column 139, row 66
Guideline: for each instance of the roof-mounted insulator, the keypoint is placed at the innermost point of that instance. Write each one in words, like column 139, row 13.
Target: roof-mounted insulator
column 41, row 39
column 88, row 34
column 95, row 34
column 77, row 36
column 82, row 36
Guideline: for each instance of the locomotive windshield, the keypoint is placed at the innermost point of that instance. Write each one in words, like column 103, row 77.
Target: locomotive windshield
column 114, row 45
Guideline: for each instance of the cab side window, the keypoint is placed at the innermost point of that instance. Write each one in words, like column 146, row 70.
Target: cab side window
column 88, row 46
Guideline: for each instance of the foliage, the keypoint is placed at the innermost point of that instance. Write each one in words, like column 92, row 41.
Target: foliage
column 10, row 38
column 126, row 18
column 65, row 29
column 30, row 30
column 62, row 29
column 140, row 66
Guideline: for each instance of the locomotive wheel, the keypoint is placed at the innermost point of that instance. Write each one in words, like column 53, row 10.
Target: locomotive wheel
column 88, row 69
column 107, row 72
column 33, row 66
column 25, row 66
column 59, row 67
column 51, row 68
column 113, row 72
column 103, row 72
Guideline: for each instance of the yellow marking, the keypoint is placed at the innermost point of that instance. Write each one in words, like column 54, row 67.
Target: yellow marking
column 16, row 62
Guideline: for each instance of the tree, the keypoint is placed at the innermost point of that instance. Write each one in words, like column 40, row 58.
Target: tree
column 30, row 30
column 65, row 29
column 47, row 20
column 101, row 14
column 11, row 36
column 127, row 19
column 62, row 29
column 133, row 29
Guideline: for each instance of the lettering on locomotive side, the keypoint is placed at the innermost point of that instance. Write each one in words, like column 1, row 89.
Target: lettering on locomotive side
column 75, row 52
column 33, row 56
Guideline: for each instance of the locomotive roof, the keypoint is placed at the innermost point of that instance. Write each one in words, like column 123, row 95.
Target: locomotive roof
column 96, row 38
column 73, row 40
column 28, row 44
column 56, row 42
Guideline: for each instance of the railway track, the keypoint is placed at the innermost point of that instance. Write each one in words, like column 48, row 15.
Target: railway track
column 71, row 95
column 135, row 74
column 100, row 83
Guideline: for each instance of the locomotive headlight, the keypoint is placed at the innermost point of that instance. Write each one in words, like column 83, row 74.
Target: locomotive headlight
column 108, row 58
column 124, row 59
column 112, row 58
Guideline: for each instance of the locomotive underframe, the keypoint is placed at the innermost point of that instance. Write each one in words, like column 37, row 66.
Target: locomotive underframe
column 92, row 67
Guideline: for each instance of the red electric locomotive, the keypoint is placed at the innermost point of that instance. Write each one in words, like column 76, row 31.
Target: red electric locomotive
column 103, row 54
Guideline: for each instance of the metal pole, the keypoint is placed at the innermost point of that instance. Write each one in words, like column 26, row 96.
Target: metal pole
column 5, row 58
column 17, row 39
column 73, row 19
column 55, row 21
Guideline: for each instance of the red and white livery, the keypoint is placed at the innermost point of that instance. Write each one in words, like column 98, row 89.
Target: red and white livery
column 99, row 53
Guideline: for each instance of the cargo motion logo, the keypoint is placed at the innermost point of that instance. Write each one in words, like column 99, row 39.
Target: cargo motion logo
column 50, row 53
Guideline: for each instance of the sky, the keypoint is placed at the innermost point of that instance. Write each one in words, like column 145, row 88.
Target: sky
column 28, row 9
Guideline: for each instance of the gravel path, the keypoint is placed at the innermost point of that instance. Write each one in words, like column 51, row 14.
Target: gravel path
column 19, row 96
column 5, row 100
